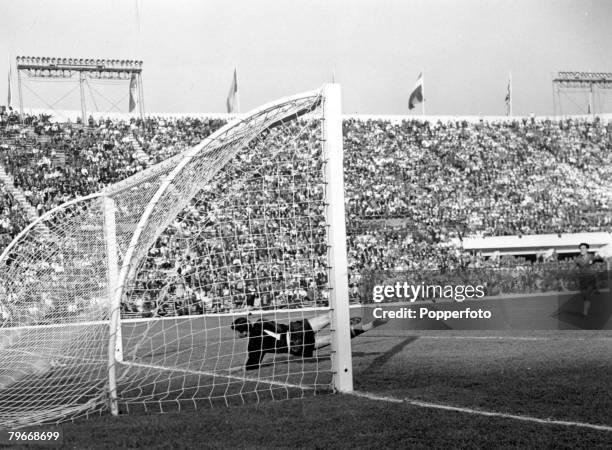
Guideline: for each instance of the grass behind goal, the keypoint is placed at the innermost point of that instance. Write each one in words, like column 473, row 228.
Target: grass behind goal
column 191, row 362
column 556, row 375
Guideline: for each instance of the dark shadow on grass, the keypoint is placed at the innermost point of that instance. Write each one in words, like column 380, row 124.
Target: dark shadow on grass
column 570, row 312
column 386, row 356
column 364, row 354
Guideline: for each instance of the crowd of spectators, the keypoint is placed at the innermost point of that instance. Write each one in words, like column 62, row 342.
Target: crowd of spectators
column 12, row 218
column 413, row 190
column 262, row 247
column 481, row 178
column 55, row 162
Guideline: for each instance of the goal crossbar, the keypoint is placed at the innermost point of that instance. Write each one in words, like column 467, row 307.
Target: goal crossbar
column 254, row 211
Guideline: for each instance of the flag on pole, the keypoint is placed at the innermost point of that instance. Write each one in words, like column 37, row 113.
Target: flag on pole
column 232, row 96
column 417, row 94
column 132, row 92
column 508, row 99
column 9, row 100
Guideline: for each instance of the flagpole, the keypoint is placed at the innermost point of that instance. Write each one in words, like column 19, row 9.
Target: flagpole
column 9, row 99
column 237, row 90
column 423, row 91
column 508, row 99
column 510, row 81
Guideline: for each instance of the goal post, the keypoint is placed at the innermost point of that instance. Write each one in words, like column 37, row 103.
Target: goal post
column 133, row 291
column 334, row 195
column 299, row 147
column 115, row 344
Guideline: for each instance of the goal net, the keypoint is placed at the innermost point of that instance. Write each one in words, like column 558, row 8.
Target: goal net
column 123, row 300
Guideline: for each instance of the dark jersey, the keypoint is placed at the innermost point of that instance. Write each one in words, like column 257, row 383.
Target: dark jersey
column 585, row 263
column 267, row 336
column 586, row 273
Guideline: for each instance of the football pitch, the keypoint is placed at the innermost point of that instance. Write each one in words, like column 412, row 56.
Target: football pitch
column 413, row 388
column 194, row 362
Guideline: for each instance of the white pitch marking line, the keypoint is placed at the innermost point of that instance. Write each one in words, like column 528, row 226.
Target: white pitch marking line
column 217, row 374
column 498, row 338
column 521, row 338
column 482, row 413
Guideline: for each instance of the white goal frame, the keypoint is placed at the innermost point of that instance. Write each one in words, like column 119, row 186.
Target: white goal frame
column 342, row 365
column 336, row 235
column 102, row 239
column 111, row 231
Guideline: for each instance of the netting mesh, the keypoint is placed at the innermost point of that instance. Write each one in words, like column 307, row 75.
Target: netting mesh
column 250, row 237
column 54, row 332
column 233, row 226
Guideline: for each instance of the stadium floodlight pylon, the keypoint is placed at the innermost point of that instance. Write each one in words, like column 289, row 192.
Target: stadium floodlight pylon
column 251, row 220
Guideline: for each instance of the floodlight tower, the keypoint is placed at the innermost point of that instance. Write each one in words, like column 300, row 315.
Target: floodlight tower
column 55, row 68
column 585, row 82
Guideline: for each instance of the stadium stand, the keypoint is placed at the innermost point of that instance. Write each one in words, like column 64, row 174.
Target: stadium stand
column 414, row 189
column 12, row 219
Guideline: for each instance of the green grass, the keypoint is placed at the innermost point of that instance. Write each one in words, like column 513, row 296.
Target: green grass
column 563, row 375
column 325, row 422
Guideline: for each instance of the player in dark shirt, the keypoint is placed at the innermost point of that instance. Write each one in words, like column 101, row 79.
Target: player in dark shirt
column 587, row 276
column 299, row 338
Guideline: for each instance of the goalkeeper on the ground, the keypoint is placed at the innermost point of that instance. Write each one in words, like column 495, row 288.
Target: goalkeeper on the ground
column 298, row 338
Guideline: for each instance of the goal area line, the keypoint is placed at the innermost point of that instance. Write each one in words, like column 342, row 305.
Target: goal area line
column 480, row 412
column 258, row 312
column 496, row 338
column 217, row 375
